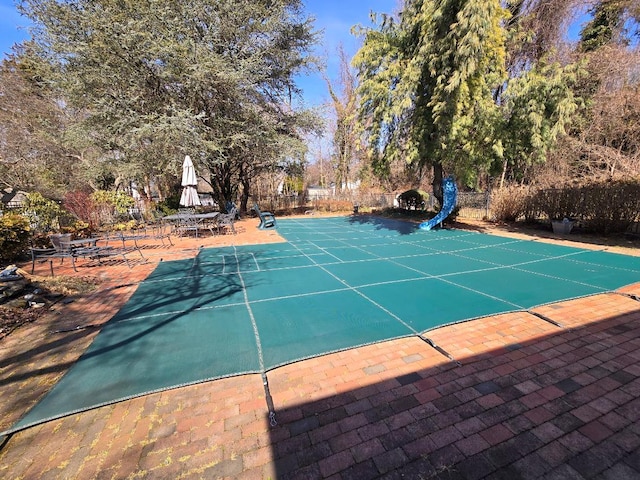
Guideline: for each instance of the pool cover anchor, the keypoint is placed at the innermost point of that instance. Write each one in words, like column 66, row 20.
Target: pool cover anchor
column 632, row 296
column 75, row 329
column 270, row 406
column 440, row 350
column 545, row 318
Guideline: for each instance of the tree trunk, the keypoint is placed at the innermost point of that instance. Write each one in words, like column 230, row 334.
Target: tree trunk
column 222, row 184
column 437, row 183
column 244, row 197
column 504, row 173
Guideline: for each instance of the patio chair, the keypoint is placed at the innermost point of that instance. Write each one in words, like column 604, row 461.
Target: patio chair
column 61, row 249
column 231, row 207
column 226, row 221
column 159, row 231
column 267, row 219
column 149, row 232
column 186, row 224
column 210, row 224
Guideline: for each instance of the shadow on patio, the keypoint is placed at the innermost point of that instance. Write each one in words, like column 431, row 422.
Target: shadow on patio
column 529, row 401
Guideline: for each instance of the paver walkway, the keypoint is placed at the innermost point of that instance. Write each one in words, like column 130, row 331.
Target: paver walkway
column 522, row 398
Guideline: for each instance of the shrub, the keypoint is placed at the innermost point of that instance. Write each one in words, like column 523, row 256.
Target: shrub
column 333, row 205
column 170, row 204
column 558, row 203
column 119, row 201
column 508, row 204
column 14, row 236
column 610, row 207
column 604, row 207
column 79, row 229
column 413, row 199
column 124, row 226
column 98, row 208
column 81, row 205
column 111, row 205
column 43, row 214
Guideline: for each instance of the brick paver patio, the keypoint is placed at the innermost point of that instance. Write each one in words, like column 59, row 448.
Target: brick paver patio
column 516, row 397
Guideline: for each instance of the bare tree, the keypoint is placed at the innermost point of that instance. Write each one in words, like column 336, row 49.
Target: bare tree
column 348, row 150
column 606, row 145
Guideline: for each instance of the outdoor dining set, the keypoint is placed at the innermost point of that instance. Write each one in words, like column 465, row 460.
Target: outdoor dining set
column 63, row 246
column 187, row 222
column 119, row 244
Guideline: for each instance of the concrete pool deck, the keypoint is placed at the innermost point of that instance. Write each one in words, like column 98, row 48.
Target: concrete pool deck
column 528, row 399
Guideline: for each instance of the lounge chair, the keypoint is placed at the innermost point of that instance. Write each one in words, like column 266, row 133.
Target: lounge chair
column 267, row 219
column 64, row 247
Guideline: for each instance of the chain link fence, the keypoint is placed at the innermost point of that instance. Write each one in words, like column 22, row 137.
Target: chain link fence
column 471, row 204
column 474, row 205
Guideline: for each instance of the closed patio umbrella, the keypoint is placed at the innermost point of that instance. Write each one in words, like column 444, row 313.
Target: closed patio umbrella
column 189, row 197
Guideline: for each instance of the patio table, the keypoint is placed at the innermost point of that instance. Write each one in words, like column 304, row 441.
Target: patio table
column 83, row 242
column 198, row 216
column 81, row 247
column 184, row 223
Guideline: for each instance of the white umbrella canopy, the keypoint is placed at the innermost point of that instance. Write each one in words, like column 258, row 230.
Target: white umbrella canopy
column 189, row 197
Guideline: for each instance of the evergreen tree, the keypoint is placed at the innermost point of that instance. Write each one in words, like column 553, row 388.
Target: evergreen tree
column 428, row 83
column 451, row 85
column 612, row 21
column 162, row 78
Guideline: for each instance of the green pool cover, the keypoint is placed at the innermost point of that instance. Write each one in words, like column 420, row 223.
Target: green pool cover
column 337, row 283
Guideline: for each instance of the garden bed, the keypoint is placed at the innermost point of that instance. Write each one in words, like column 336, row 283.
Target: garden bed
column 24, row 300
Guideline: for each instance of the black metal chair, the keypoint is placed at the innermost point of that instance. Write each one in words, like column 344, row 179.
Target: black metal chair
column 59, row 250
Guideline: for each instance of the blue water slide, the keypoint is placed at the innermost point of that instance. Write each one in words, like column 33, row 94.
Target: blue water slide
column 450, row 197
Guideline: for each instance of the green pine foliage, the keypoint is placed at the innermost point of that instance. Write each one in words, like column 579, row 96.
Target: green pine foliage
column 537, row 109
column 607, row 20
column 428, row 83
column 438, row 89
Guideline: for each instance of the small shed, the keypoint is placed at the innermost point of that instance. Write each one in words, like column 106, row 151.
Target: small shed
column 320, row 193
column 13, row 198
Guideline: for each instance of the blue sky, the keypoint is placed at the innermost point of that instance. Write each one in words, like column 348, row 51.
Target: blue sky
column 12, row 26
column 334, row 17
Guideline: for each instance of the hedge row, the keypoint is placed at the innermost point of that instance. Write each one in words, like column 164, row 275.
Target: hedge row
column 607, row 207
